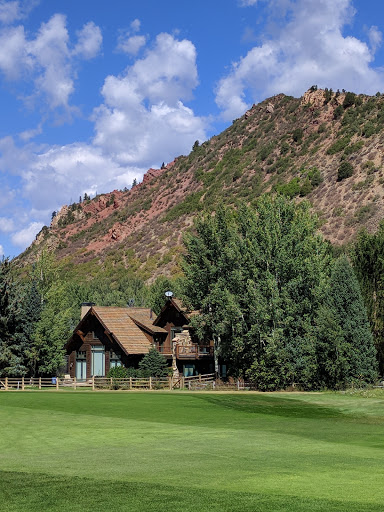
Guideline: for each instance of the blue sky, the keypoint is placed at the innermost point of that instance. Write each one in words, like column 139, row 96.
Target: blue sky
column 92, row 94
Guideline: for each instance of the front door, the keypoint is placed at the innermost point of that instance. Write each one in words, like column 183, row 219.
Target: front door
column 81, row 369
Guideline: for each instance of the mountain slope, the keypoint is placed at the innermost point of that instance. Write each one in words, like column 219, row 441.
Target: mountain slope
column 294, row 146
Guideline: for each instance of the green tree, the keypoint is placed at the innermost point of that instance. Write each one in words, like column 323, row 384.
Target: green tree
column 349, row 99
column 345, row 347
column 17, row 315
column 153, row 364
column 156, row 296
column 345, row 171
column 59, row 317
column 256, row 277
column 368, row 261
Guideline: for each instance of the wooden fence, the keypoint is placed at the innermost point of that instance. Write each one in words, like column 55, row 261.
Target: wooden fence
column 97, row 383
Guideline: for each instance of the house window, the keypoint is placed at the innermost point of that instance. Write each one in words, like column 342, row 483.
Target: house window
column 175, row 331
column 188, row 370
column 114, row 359
column 81, row 365
column 98, row 361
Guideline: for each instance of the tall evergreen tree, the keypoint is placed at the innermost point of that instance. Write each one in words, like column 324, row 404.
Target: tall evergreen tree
column 368, row 261
column 345, row 347
column 16, row 324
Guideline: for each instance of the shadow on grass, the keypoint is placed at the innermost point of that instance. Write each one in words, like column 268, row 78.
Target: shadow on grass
column 272, row 405
column 21, row 492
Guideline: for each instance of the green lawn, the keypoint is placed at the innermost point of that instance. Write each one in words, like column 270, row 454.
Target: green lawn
column 103, row 451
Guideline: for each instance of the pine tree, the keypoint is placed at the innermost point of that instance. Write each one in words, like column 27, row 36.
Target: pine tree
column 153, row 364
column 15, row 325
column 368, row 262
column 345, row 348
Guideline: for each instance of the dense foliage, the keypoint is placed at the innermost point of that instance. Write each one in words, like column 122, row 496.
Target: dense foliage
column 259, row 278
column 345, row 349
column 279, row 309
column 19, row 311
column 368, row 261
column 153, row 364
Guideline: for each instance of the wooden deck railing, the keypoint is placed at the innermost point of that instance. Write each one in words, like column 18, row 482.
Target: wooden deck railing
column 193, row 351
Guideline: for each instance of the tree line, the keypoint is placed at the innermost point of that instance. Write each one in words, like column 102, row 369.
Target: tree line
column 280, row 306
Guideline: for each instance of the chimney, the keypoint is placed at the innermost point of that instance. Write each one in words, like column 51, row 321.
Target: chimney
column 85, row 307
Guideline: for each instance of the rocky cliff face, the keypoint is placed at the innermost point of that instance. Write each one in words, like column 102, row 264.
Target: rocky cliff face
column 293, row 146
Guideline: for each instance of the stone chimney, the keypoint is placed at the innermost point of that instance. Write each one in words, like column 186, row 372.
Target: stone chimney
column 85, row 307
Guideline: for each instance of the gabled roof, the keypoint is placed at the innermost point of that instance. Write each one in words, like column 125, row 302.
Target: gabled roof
column 179, row 306
column 126, row 326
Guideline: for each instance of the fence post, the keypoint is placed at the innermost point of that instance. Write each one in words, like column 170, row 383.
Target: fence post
column 57, row 383
column 74, row 383
column 150, row 382
column 199, row 377
column 182, row 382
column 22, row 383
column 6, row 383
column 39, row 382
column 170, row 382
column 130, row 382
column 111, row 382
column 93, row 383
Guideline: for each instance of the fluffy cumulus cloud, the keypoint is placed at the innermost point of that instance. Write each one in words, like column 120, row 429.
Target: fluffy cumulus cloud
column 308, row 48
column 25, row 236
column 130, row 42
column 11, row 11
column 89, row 41
column 144, row 120
column 144, row 116
column 47, row 60
column 6, row 225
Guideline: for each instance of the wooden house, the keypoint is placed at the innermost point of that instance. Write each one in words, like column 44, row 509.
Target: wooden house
column 112, row 336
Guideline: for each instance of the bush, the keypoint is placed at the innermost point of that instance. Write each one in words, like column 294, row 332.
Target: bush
column 297, row 135
column 338, row 112
column 153, row 364
column 349, row 99
column 345, row 171
column 118, row 372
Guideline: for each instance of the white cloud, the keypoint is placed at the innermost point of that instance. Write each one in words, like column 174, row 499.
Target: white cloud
column 131, row 45
column 309, row 48
column 144, row 117
column 143, row 121
column 25, row 236
column 9, row 11
column 375, row 38
column 6, row 225
column 47, row 60
column 135, row 25
column 69, row 171
column 246, row 3
column 89, row 41
column 14, row 56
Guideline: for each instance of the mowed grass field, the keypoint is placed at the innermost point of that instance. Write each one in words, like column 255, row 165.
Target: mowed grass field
column 159, row 451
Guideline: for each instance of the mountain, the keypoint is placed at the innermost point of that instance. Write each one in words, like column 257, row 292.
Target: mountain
column 326, row 147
